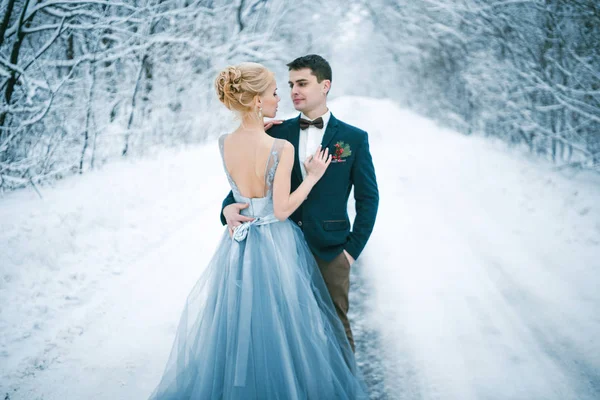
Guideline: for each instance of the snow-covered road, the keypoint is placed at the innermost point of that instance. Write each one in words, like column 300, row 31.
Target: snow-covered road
column 481, row 280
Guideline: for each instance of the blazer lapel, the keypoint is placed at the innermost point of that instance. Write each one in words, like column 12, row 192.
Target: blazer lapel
column 330, row 132
column 294, row 138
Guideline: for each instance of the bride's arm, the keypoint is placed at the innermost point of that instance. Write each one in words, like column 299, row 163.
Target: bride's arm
column 284, row 202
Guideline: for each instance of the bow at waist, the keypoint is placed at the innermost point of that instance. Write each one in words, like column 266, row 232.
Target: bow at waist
column 241, row 231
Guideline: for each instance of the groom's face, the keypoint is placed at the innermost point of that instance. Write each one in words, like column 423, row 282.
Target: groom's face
column 307, row 94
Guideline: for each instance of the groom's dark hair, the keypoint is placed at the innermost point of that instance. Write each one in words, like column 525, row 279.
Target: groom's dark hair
column 317, row 64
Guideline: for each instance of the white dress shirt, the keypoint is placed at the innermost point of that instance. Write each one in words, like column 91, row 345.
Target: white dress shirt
column 310, row 139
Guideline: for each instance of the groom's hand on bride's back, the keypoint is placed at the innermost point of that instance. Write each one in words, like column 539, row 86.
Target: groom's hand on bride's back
column 233, row 217
column 269, row 124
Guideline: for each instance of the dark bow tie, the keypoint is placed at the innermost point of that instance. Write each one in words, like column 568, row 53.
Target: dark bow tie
column 317, row 123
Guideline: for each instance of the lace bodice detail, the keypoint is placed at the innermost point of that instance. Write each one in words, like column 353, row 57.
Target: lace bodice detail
column 259, row 206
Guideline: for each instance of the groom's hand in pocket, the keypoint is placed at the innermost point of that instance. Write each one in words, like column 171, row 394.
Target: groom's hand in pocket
column 349, row 258
column 233, row 217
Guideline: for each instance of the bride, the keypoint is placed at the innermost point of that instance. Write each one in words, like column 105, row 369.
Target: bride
column 260, row 323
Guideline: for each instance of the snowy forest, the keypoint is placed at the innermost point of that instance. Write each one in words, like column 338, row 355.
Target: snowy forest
column 84, row 82
column 480, row 278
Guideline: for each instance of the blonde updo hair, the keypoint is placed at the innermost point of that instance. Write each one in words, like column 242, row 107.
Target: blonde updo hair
column 237, row 85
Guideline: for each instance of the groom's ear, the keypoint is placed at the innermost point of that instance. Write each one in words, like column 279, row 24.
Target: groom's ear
column 326, row 86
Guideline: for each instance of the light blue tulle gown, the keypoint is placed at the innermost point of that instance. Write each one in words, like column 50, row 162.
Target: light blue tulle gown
column 259, row 323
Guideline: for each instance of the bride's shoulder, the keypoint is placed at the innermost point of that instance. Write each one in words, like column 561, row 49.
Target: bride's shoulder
column 224, row 136
column 284, row 149
column 284, row 146
column 221, row 140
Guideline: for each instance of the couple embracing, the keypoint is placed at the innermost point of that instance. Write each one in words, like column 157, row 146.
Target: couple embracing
column 267, row 319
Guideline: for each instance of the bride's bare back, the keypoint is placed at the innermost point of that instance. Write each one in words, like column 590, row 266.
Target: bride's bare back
column 246, row 155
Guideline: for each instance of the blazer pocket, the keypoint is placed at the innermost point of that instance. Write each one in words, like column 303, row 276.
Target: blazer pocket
column 335, row 225
column 342, row 161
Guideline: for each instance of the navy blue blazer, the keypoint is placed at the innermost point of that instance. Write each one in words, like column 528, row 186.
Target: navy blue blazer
column 324, row 214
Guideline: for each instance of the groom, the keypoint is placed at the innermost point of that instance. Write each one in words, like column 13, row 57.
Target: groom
column 323, row 217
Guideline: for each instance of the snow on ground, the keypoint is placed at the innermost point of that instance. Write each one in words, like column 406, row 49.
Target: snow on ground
column 103, row 265
column 483, row 268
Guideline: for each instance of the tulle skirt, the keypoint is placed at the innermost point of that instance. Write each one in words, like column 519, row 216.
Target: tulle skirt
column 260, row 324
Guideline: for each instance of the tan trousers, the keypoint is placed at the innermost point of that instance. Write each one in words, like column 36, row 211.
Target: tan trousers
column 336, row 274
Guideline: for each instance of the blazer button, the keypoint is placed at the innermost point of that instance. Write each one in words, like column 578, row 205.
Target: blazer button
column 299, row 223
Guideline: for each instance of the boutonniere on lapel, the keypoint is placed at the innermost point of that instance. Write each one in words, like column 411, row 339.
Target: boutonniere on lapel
column 342, row 150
